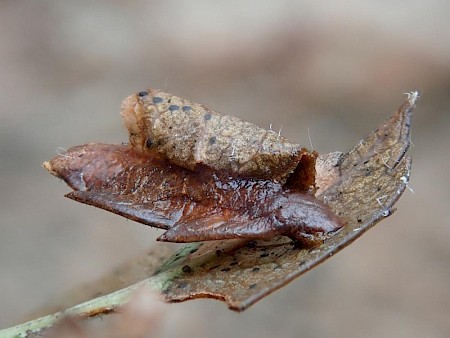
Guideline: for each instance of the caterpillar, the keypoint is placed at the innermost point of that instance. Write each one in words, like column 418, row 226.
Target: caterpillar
column 191, row 135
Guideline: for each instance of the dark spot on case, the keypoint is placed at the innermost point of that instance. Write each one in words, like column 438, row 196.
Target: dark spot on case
column 157, row 100
column 149, row 143
column 186, row 108
column 143, row 93
column 174, row 107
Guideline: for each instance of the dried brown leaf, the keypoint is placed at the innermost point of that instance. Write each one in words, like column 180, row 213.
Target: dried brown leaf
column 196, row 205
column 360, row 186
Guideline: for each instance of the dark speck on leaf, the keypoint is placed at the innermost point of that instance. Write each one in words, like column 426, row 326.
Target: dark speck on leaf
column 177, row 258
column 186, row 269
column 174, row 107
column 193, row 250
column 157, row 100
column 251, row 244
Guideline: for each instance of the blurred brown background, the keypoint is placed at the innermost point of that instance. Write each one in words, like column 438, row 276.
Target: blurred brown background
column 339, row 69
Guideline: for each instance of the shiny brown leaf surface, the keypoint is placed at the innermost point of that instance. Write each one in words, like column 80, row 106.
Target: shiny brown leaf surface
column 196, row 205
column 360, row 186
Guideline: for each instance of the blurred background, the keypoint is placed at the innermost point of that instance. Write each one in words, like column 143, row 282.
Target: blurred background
column 338, row 69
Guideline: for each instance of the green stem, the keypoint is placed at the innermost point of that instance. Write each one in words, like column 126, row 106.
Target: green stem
column 91, row 308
